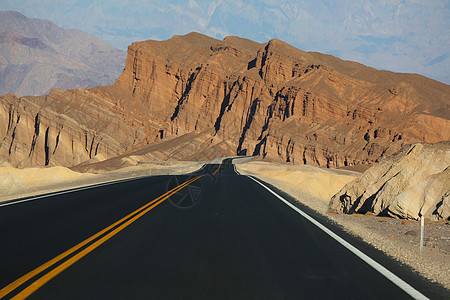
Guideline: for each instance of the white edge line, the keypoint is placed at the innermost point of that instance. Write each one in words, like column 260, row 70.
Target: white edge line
column 385, row 272
column 234, row 166
column 70, row 191
column 11, row 202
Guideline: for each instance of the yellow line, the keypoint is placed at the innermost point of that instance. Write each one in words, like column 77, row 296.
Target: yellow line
column 47, row 277
column 217, row 169
column 9, row 288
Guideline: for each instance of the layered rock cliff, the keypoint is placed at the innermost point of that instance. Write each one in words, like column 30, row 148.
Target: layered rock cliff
column 276, row 101
column 63, row 128
column 193, row 97
column 413, row 182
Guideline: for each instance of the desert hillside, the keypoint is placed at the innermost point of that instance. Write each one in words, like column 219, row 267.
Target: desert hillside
column 36, row 56
column 194, row 97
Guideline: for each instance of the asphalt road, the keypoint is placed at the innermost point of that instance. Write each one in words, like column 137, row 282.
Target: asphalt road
column 223, row 236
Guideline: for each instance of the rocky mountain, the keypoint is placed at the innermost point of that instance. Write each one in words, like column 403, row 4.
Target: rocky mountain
column 413, row 182
column 36, row 56
column 63, row 128
column 195, row 97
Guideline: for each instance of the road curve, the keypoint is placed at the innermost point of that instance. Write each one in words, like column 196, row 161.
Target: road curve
column 208, row 235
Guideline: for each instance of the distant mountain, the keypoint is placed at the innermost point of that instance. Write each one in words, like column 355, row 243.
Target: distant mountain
column 36, row 56
column 395, row 35
column 197, row 98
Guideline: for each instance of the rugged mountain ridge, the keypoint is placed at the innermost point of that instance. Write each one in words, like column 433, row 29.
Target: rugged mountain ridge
column 282, row 102
column 240, row 97
column 36, row 56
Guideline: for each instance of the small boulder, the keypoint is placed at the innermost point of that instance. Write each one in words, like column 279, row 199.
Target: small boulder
column 411, row 233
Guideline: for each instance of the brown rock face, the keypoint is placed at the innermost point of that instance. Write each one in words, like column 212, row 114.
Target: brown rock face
column 195, row 97
column 53, row 130
column 277, row 101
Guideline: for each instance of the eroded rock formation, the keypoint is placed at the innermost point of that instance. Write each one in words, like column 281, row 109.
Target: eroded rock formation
column 277, row 101
column 207, row 98
column 52, row 130
column 413, row 182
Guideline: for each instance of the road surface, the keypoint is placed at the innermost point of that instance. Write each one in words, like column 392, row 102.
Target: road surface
column 209, row 235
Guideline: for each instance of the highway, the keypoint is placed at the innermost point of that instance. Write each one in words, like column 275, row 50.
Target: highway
column 212, row 234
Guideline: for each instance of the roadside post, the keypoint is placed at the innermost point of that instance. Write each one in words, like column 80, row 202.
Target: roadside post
column 421, row 233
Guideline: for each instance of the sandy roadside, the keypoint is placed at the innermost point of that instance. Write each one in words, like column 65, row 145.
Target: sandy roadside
column 309, row 185
column 399, row 239
column 21, row 183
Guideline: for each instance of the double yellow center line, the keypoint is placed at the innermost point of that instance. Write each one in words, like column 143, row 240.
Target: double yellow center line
column 125, row 221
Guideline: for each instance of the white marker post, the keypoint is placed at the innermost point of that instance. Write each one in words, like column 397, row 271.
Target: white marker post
column 421, row 233
column 150, row 172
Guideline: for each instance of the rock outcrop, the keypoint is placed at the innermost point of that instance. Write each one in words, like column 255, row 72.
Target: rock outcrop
column 193, row 97
column 413, row 182
column 276, row 101
column 53, row 130
column 36, row 56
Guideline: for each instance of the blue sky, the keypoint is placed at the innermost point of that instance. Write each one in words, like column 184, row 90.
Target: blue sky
column 398, row 35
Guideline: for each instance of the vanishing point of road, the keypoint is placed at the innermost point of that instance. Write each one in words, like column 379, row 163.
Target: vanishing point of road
column 212, row 234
